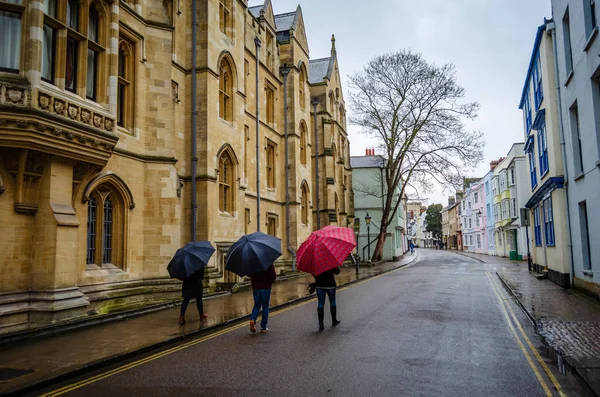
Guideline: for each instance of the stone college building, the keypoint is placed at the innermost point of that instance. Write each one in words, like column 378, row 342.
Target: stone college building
column 97, row 139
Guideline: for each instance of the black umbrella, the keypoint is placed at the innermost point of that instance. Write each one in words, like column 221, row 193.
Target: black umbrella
column 190, row 259
column 253, row 253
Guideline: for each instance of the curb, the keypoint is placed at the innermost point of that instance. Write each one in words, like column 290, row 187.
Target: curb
column 44, row 383
column 90, row 322
column 512, row 293
column 567, row 360
column 468, row 256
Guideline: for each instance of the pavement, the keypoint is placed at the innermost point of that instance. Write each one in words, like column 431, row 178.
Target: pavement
column 32, row 363
column 567, row 320
column 437, row 328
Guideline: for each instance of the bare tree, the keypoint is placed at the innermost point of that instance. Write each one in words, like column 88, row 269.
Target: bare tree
column 415, row 111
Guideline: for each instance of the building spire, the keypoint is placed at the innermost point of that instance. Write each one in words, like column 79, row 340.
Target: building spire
column 333, row 51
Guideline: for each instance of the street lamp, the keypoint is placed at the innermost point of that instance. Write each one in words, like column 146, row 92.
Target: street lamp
column 368, row 222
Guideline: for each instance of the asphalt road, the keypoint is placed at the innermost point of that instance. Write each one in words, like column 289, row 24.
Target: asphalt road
column 437, row 328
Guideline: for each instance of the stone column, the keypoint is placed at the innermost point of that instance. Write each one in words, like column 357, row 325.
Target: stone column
column 54, row 294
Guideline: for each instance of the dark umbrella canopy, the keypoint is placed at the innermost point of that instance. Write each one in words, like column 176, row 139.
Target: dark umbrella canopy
column 253, row 253
column 190, row 259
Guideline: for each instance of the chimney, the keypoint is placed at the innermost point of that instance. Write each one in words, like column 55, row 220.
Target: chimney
column 366, row 151
column 451, row 200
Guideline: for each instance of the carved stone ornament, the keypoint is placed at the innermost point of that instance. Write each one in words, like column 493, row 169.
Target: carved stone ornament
column 70, row 136
column 44, row 101
column 86, row 116
column 15, row 95
column 108, row 146
column 59, row 106
column 73, row 112
column 3, row 122
column 21, row 123
column 40, row 127
column 98, row 121
column 81, row 139
column 56, row 132
column 95, row 143
column 108, row 124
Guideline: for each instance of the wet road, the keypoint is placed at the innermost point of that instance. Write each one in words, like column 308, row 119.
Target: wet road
column 437, row 328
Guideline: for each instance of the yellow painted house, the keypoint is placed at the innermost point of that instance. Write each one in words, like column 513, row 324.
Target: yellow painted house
column 547, row 203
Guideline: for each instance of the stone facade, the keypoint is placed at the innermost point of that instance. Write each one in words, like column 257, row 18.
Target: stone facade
column 95, row 151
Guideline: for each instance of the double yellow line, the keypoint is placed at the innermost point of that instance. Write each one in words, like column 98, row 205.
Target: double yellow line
column 504, row 305
column 183, row 346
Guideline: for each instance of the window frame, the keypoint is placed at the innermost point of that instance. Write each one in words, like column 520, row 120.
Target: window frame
column 537, row 226
column 71, row 43
column 126, row 84
column 107, row 246
column 20, row 11
column 548, row 222
column 226, row 183
column 303, row 144
column 226, row 90
column 270, row 164
column 270, row 104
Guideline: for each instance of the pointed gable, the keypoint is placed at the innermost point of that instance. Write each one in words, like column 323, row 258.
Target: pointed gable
column 291, row 24
column 269, row 15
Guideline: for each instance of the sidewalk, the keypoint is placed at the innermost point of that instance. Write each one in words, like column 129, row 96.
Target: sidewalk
column 568, row 321
column 36, row 362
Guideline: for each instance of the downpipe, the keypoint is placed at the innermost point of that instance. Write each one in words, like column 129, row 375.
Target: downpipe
column 285, row 71
column 552, row 28
column 194, row 149
column 257, row 44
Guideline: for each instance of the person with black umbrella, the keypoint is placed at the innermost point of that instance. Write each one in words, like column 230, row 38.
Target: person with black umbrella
column 261, row 290
column 188, row 265
column 192, row 288
column 253, row 255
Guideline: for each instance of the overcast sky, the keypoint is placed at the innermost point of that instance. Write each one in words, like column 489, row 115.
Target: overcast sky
column 489, row 41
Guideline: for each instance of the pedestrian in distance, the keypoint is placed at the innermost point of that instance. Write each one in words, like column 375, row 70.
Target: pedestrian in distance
column 192, row 288
column 412, row 248
column 326, row 286
column 261, row 290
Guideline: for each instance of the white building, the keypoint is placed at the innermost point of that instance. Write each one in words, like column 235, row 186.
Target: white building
column 511, row 192
column 577, row 46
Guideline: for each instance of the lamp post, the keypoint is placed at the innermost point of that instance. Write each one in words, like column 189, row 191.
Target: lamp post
column 368, row 222
column 315, row 103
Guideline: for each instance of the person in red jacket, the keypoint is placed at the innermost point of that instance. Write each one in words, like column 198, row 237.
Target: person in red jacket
column 261, row 289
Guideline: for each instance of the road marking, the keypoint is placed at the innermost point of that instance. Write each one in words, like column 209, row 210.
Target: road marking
column 93, row 379
column 516, row 336
column 533, row 349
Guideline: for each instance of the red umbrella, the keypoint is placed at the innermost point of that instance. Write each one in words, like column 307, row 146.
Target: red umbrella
column 325, row 249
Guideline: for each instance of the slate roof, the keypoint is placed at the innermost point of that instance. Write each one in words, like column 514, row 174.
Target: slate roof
column 256, row 10
column 285, row 22
column 367, row 161
column 318, row 69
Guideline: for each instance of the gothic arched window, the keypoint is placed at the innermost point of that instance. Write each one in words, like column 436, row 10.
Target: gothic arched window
column 225, row 91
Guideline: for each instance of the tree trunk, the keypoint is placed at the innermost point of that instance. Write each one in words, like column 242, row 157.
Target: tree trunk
column 378, row 253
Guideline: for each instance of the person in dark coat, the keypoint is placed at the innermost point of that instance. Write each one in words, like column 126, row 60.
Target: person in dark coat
column 325, row 283
column 261, row 290
column 192, row 288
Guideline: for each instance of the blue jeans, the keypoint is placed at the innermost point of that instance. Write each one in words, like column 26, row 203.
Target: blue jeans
column 261, row 298
column 321, row 297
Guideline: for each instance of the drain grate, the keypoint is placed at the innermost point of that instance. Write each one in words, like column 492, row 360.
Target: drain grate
column 7, row 374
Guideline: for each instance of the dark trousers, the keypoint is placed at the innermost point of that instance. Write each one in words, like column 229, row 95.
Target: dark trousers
column 186, row 302
column 262, row 298
column 321, row 293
